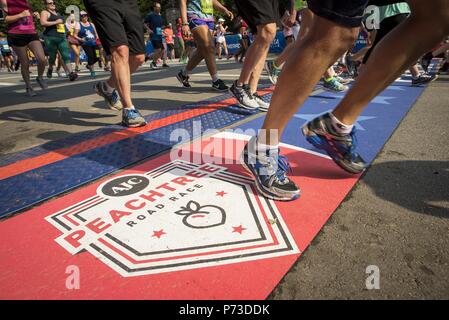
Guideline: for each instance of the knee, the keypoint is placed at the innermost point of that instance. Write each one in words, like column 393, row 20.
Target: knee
column 335, row 42
column 120, row 53
column 266, row 33
column 139, row 59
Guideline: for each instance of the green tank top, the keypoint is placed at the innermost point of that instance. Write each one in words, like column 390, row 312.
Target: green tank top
column 300, row 4
column 393, row 10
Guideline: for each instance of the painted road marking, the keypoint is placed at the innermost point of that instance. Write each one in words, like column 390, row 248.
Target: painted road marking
column 257, row 234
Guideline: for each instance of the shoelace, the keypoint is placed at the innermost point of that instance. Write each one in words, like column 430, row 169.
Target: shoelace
column 115, row 96
column 257, row 97
column 247, row 90
column 133, row 113
column 350, row 150
column 283, row 167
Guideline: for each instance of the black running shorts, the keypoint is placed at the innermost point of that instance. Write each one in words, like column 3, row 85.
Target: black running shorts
column 258, row 12
column 348, row 13
column 118, row 23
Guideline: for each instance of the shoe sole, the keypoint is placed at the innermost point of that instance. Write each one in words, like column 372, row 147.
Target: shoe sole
column 260, row 189
column 133, row 125
column 333, row 90
column 220, row 90
column 314, row 140
column 420, row 84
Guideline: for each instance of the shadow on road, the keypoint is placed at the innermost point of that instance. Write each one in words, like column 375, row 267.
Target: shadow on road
column 419, row 186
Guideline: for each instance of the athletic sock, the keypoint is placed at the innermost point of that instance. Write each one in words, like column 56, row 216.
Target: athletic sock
column 215, row 77
column 339, row 126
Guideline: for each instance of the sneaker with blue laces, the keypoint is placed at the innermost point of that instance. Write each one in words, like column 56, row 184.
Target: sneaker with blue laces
column 334, row 85
column 270, row 173
column 112, row 99
column 132, row 118
column 341, row 148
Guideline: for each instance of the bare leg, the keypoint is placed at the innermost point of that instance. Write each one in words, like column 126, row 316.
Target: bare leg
column 311, row 57
column 38, row 51
column 256, row 55
column 24, row 64
column 122, row 66
column 417, row 34
column 205, row 43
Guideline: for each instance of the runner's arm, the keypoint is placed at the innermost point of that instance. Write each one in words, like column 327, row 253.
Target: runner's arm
column 11, row 19
column 185, row 22
column 44, row 20
column 223, row 9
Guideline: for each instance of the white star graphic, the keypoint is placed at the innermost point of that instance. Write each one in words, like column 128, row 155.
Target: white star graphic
column 377, row 99
column 309, row 117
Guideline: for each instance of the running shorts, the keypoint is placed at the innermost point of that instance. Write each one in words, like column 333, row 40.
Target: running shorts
column 258, row 12
column 348, row 13
column 117, row 24
column 21, row 40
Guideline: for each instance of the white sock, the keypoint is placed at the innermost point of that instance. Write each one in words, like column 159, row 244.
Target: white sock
column 131, row 108
column 339, row 126
column 215, row 77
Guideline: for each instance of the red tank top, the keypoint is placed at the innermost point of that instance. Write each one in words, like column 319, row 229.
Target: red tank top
column 24, row 25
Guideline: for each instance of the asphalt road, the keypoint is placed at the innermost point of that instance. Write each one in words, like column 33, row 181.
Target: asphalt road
column 396, row 218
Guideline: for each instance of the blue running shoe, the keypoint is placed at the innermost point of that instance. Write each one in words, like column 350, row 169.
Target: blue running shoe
column 270, row 173
column 341, row 148
column 132, row 118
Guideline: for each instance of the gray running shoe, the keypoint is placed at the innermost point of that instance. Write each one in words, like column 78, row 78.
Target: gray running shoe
column 263, row 105
column 112, row 99
column 341, row 148
column 244, row 97
column 132, row 118
column 42, row 83
column 423, row 79
column 30, row 92
column 270, row 173
column 273, row 72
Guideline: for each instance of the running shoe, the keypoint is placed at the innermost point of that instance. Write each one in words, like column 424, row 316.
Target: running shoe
column 423, row 79
column 59, row 73
column 263, row 105
column 93, row 74
column 184, row 80
column 343, row 80
column 49, row 73
column 270, row 173
column 30, row 92
column 244, row 97
column 273, row 72
column 334, row 85
column 112, row 99
column 220, row 85
column 77, row 69
column 165, row 65
column 132, row 118
column 341, row 148
column 73, row 76
column 153, row 65
column 42, row 83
